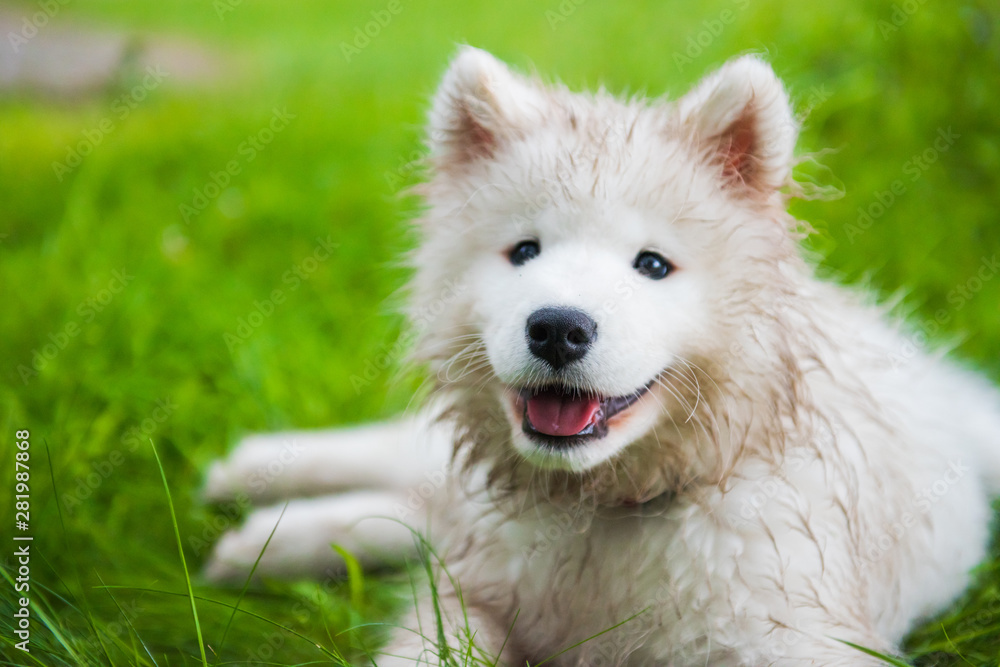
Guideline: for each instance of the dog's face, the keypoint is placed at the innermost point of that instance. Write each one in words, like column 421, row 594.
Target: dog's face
column 604, row 250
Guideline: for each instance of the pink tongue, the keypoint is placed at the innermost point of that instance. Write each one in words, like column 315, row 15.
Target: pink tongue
column 554, row 413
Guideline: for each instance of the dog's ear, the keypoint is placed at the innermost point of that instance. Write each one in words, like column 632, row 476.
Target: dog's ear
column 741, row 118
column 479, row 105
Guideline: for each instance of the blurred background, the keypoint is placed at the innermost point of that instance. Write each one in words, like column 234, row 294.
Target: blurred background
column 201, row 215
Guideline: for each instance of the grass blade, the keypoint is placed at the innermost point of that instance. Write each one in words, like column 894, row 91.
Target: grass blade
column 128, row 621
column 335, row 655
column 246, row 585
column 875, row 654
column 595, row 636
column 355, row 575
column 180, row 550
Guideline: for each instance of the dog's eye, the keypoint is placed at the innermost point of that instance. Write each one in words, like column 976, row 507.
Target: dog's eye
column 652, row 265
column 524, row 251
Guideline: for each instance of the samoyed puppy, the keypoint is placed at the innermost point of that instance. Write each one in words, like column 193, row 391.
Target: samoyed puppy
column 655, row 438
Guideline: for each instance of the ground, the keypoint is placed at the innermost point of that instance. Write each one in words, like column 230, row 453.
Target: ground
column 192, row 255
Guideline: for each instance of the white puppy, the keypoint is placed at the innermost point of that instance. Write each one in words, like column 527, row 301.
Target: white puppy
column 664, row 428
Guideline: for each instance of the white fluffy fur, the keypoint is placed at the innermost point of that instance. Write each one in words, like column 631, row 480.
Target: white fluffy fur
column 795, row 476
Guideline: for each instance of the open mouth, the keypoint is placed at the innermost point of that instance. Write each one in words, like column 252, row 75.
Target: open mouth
column 564, row 417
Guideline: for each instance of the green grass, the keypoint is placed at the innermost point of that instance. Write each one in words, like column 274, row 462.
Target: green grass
column 152, row 362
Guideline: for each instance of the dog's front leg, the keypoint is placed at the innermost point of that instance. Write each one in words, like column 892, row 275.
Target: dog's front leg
column 469, row 631
column 389, row 456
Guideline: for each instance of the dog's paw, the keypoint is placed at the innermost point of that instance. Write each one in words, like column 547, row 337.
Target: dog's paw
column 220, row 483
column 366, row 524
column 391, row 456
column 288, row 553
column 264, row 468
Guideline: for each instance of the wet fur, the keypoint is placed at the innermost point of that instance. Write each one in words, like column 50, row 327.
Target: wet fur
column 768, row 498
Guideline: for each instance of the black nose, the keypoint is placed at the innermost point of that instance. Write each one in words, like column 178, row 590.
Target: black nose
column 560, row 335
